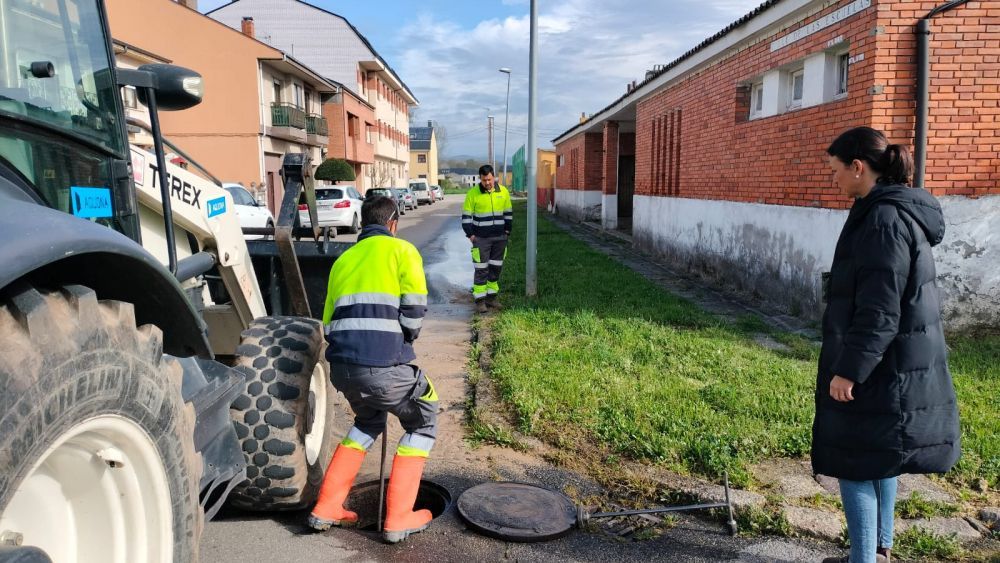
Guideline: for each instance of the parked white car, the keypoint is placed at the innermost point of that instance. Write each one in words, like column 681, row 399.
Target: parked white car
column 248, row 211
column 336, row 206
column 421, row 191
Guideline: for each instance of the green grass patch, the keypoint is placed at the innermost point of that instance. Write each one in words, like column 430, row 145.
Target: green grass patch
column 455, row 191
column 917, row 506
column 975, row 367
column 769, row 520
column 603, row 354
column 916, row 543
column 823, row 501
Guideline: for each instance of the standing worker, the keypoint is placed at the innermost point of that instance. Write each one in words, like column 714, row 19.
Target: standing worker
column 375, row 304
column 487, row 217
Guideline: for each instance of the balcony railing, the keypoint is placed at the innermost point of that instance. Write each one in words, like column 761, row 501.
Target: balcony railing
column 316, row 125
column 285, row 115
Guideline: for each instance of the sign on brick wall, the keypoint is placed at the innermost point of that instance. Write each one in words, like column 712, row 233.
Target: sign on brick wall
column 822, row 23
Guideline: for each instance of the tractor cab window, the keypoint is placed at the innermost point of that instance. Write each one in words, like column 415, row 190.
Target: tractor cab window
column 59, row 124
column 55, row 68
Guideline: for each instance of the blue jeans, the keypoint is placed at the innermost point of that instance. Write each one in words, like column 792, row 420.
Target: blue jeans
column 869, row 507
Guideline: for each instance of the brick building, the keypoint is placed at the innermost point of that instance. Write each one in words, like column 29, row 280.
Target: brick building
column 717, row 159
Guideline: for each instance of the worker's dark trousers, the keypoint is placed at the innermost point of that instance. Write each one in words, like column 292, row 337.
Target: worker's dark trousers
column 487, row 258
column 402, row 390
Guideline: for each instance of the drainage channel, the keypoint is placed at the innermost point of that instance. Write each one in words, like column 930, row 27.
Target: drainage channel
column 364, row 500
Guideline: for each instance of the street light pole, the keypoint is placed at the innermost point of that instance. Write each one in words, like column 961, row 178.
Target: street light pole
column 531, row 275
column 492, row 156
column 506, row 120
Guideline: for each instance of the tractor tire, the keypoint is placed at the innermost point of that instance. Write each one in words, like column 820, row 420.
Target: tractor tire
column 284, row 418
column 97, row 448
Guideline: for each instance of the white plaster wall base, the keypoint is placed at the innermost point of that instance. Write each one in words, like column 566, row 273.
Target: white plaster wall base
column 778, row 252
column 579, row 205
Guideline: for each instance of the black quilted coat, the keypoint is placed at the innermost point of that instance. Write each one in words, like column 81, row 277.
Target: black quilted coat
column 882, row 329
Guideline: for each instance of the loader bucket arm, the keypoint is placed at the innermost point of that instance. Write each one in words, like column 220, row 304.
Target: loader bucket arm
column 297, row 176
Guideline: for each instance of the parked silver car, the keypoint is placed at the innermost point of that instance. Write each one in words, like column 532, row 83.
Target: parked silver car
column 336, row 206
column 408, row 201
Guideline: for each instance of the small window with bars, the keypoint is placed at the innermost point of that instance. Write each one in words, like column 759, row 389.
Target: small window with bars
column 843, row 64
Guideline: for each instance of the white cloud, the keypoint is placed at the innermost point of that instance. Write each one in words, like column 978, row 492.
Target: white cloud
column 588, row 51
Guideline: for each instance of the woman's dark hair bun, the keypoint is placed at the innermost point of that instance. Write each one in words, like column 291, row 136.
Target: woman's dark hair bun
column 893, row 163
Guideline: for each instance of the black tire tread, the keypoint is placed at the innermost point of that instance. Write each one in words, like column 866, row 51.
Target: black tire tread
column 278, row 354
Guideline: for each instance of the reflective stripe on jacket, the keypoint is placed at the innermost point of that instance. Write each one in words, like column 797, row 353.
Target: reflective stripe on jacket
column 487, row 214
column 375, row 301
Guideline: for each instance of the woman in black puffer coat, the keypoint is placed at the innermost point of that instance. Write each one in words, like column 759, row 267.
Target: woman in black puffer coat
column 885, row 404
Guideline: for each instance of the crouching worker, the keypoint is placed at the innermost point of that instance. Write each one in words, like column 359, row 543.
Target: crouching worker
column 375, row 304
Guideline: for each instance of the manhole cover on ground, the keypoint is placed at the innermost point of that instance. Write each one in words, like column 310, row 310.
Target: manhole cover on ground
column 517, row 512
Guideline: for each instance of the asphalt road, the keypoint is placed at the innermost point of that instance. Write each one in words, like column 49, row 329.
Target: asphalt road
column 442, row 352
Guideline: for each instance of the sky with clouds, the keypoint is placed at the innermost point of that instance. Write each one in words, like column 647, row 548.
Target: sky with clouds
column 449, row 51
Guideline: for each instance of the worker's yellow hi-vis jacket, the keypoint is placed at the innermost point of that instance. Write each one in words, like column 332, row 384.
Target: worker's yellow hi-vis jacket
column 375, row 301
column 487, row 214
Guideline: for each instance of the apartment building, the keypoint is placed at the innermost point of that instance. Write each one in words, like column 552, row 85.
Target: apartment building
column 424, row 153
column 331, row 45
column 260, row 103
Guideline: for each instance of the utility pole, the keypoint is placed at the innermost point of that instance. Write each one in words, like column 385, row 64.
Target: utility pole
column 531, row 274
column 489, row 130
column 506, row 122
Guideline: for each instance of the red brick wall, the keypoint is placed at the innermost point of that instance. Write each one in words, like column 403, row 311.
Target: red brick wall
column 694, row 139
column 776, row 160
column 582, row 168
column 354, row 149
column 964, row 116
column 609, row 162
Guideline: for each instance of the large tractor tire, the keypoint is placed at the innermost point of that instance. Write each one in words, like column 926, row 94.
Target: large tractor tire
column 97, row 457
column 284, row 418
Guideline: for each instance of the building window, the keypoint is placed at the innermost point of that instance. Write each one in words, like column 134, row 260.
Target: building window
column 277, row 92
column 297, row 89
column 129, row 98
column 843, row 63
column 756, row 99
column 796, row 86
column 308, row 101
column 421, row 158
column 368, row 133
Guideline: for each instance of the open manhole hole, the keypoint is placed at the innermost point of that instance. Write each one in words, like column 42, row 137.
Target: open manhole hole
column 364, row 500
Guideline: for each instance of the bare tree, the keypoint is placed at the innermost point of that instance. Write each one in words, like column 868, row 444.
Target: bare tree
column 379, row 175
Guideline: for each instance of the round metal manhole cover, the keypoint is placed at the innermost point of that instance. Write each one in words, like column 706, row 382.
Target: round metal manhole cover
column 517, row 512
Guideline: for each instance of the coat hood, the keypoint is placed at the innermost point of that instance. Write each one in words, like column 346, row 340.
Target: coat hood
column 918, row 203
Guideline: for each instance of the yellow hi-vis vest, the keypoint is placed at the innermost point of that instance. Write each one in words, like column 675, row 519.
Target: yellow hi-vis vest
column 375, row 301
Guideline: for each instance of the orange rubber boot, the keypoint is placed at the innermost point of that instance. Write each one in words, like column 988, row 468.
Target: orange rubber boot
column 404, row 484
column 329, row 509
